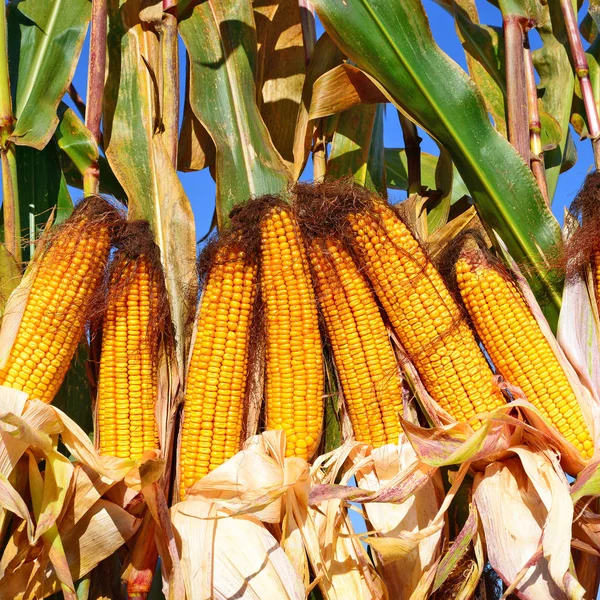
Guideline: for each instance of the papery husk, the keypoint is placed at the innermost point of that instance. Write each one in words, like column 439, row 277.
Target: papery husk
column 226, row 550
column 70, row 527
column 342, row 547
column 403, row 503
column 526, row 512
column 258, row 486
column 406, row 568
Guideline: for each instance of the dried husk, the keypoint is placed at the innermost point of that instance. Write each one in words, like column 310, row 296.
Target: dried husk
column 69, row 527
column 526, row 511
column 259, row 486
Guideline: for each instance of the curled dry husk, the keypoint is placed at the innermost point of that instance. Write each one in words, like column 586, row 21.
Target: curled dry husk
column 403, row 501
column 526, row 511
column 262, row 497
column 67, row 527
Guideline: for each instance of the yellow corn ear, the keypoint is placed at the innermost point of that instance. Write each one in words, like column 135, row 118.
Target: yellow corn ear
column 424, row 315
column 518, row 348
column 295, row 381
column 363, row 354
column 128, row 378
column 216, row 381
column 68, row 274
column 596, row 273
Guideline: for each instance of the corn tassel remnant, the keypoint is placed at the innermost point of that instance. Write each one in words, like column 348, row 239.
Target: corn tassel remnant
column 518, row 348
column 69, row 272
column 128, row 379
column 362, row 350
column 425, row 317
column 295, row 379
column 218, row 370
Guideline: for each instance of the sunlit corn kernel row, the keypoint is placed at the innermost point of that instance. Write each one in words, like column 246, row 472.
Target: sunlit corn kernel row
column 424, row 315
column 217, row 374
column 362, row 350
column 128, row 379
column 53, row 322
column 519, row 350
column 295, row 381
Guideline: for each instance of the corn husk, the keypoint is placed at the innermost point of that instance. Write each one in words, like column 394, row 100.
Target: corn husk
column 259, row 486
column 526, row 512
column 68, row 528
column 403, row 503
column 231, row 504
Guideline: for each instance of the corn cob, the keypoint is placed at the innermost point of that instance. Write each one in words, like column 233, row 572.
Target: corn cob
column 362, row 350
column 216, row 380
column 295, row 382
column 518, row 348
column 128, row 378
column 424, row 315
column 68, row 274
column 595, row 264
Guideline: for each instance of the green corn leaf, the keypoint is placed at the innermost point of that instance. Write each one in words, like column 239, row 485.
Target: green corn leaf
column 79, row 151
column 42, row 189
column 555, row 88
column 220, row 38
column 484, row 50
column 134, row 147
column 44, row 44
column 280, row 70
column 397, row 174
column 357, row 147
column 392, row 42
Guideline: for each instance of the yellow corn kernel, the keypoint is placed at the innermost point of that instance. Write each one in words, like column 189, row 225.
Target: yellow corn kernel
column 424, row 315
column 294, row 384
column 68, row 274
column 518, row 348
column 128, row 378
column 362, row 350
column 216, row 381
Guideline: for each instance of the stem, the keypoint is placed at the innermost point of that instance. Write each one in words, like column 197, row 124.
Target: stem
column 10, row 187
column 95, row 90
column 170, row 68
column 582, row 71
column 10, row 203
column 535, row 126
column 516, row 87
column 319, row 154
column 309, row 30
column 77, row 100
column 412, row 147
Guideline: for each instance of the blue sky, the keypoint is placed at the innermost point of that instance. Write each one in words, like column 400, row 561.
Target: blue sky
column 201, row 188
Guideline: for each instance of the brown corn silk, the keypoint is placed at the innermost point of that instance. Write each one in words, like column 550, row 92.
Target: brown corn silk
column 136, row 328
column 294, row 384
column 425, row 317
column 583, row 245
column 218, row 369
column 362, row 350
column 516, row 344
column 69, row 271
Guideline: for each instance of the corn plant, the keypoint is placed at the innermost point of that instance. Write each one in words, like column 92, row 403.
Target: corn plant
column 332, row 395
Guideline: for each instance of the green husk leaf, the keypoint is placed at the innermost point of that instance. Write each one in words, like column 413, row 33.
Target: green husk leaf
column 79, row 151
column 325, row 57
